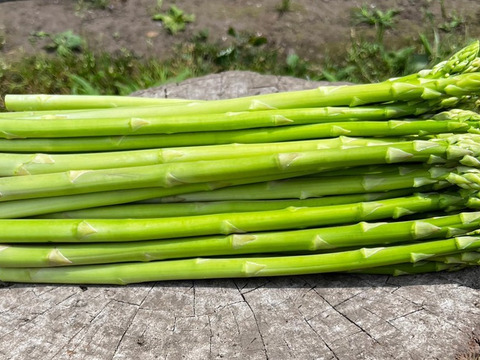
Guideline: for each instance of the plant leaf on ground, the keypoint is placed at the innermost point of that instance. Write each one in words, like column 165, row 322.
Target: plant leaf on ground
column 372, row 16
column 174, row 20
column 62, row 43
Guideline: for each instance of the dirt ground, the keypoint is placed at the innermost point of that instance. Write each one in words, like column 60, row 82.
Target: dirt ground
column 310, row 29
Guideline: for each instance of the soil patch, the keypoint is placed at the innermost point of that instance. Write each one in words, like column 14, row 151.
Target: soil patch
column 311, row 28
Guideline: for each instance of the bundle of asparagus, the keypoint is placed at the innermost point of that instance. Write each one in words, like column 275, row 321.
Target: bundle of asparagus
column 377, row 178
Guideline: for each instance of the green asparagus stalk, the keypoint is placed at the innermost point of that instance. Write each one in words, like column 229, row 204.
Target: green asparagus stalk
column 99, row 230
column 117, row 143
column 403, row 89
column 40, row 206
column 37, row 206
column 401, row 170
column 311, row 240
column 27, row 164
column 303, row 188
column 138, row 124
column 182, row 209
column 41, row 102
column 263, row 135
column 468, row 258
column 195, row 208
column 230, row 267
column 452, row 262
column 420, row 267
column 174, row 174
column 359, row 128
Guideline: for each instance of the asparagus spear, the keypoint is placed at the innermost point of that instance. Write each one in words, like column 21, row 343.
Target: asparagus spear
column 26, row 164
column 311, row 240
column 408, row 88
column 39, row 206
column 452, row 262
column 202, row 208
column 173, row 120
column 207, row 268
column 137, row 124
column 41, row 102
column 43, row 205
column 468, row 258
column 307, row 187
column 389, row 128
column 420, row 267
column 99, row 230
column 261, row 135
column 174, row 174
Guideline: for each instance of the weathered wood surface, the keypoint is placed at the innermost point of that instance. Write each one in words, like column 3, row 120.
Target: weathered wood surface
column 332, row 316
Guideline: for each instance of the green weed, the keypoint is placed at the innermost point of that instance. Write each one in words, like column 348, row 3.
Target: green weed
column 451, row 21
column 284, row 7
column 174, row 20
column 444, row 35
column 381, row 20
column 63, row 43
column 367, row 60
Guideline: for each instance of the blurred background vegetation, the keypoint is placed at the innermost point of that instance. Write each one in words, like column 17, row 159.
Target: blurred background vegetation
column 376, row 48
